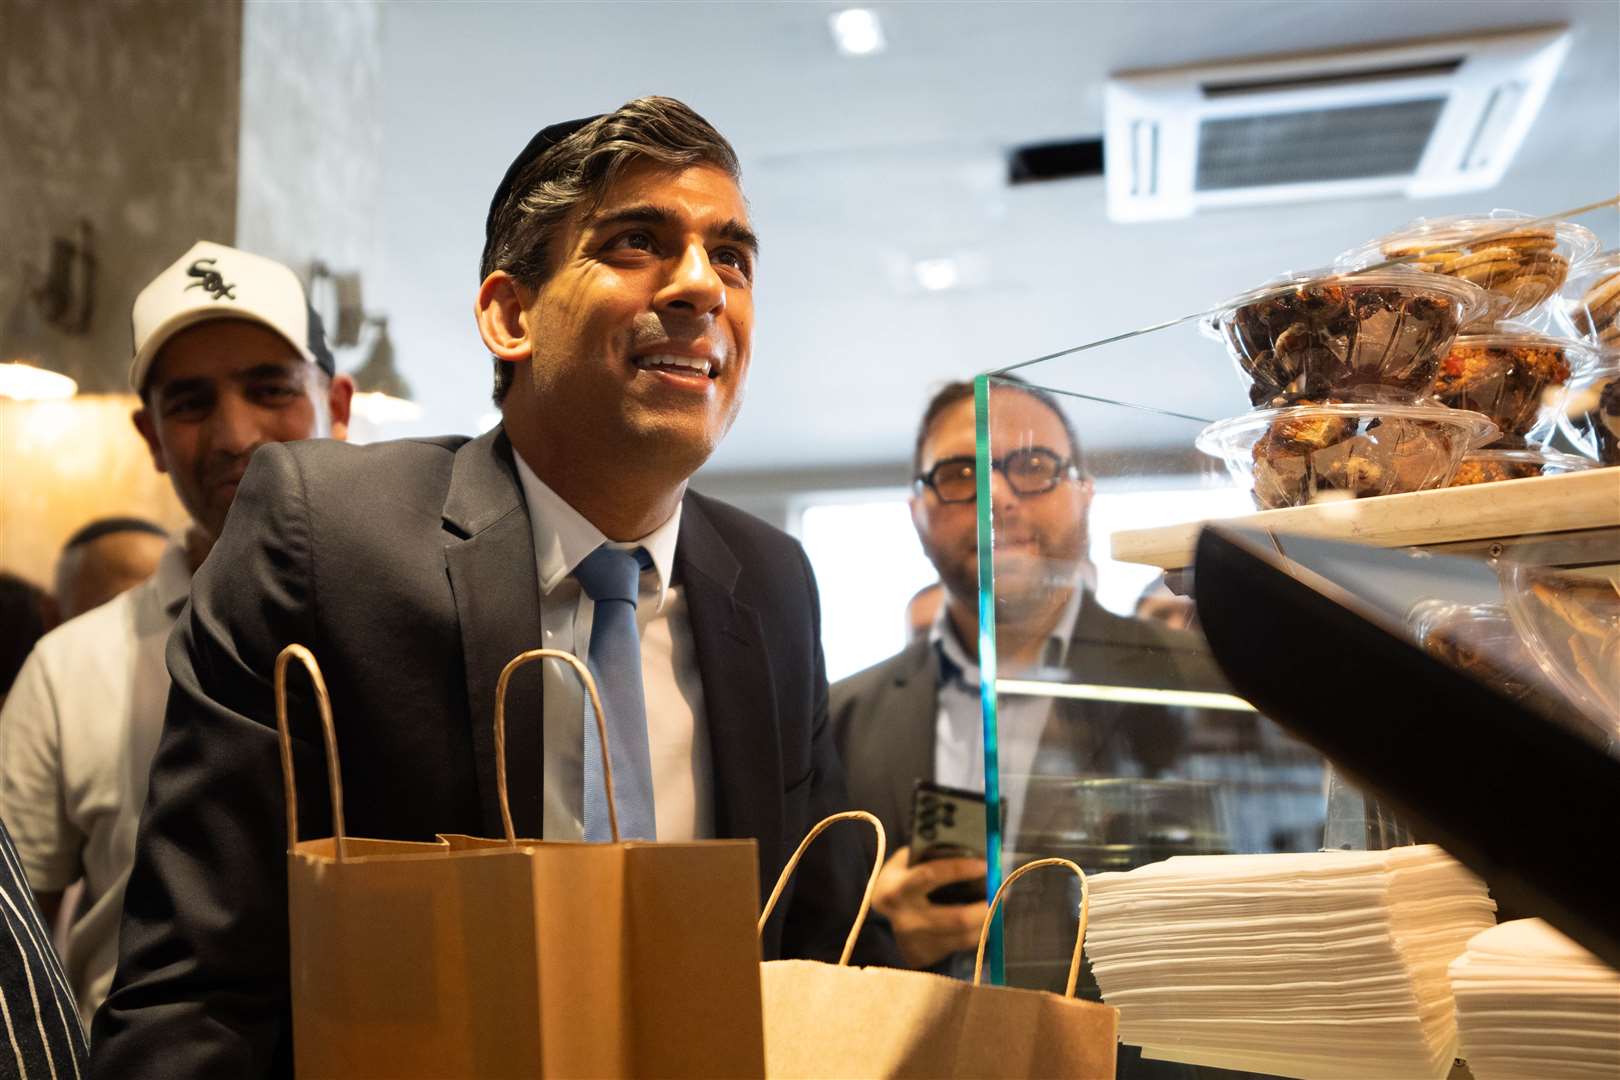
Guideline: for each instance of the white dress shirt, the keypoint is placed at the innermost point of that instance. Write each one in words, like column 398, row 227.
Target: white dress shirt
column 677, row 736
column 77, row 737
column 1020, row 718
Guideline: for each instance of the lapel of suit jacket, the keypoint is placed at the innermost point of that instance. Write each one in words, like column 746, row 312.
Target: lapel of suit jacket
column 910, row 721
column 739, row 697
column 490, row 559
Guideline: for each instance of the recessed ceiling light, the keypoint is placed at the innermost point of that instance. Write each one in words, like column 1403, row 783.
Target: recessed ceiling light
column 857, row 32
column 937, row 275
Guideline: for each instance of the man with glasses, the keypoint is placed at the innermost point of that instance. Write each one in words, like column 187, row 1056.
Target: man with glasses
column 917, row 715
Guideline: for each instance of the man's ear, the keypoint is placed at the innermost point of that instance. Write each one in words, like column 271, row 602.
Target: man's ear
column 339, row 401
column 502, row 313
column 147, row 426
column 919, row 520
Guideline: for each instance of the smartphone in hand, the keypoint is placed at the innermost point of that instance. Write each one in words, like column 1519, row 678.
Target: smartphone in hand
column 948, row 823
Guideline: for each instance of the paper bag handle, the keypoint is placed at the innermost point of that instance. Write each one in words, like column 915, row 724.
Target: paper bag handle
column 1079, row 937
column 871, row 881
column 334, row 773
column 584, row 674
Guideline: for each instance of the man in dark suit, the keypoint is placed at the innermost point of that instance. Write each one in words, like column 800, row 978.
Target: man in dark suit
column 917, row 714
column 616, row 299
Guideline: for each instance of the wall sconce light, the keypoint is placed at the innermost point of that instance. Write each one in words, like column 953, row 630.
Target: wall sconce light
column 66, row 300
column 336, row 297
column 381, row 394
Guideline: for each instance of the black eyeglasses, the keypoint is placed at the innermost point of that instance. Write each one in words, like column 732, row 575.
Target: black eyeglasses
column 1031, row 471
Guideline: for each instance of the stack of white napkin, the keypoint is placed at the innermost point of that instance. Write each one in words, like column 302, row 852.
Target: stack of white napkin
column 1532, row 1004
column 1330, row 964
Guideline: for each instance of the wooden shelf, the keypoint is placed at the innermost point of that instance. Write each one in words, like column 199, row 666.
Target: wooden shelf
column 1509, row 509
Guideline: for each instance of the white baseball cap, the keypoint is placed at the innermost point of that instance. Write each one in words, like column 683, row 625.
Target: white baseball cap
column 212, row 281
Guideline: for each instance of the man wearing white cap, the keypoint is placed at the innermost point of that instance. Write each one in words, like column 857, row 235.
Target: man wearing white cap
column 228, row 356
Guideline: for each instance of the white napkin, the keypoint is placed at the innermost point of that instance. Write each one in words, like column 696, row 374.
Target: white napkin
column 1328, row 965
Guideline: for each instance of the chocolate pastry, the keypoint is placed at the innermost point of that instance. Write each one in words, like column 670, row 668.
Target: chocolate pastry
column 1300, row 458
column 1592, row 415
column 1605, row 421
column 1340, row 336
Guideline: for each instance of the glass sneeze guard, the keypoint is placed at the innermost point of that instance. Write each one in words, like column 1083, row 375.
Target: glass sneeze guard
column 1110, row 735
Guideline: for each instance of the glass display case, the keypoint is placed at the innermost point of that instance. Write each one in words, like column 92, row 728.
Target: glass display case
column 1385, row 403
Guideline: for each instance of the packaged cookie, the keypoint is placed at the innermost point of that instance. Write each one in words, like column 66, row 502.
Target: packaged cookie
column 1590, row 304
column 1520, row 262
column 1511, row 374
column 1370, row 337
column 1590, row 417
column 1315, row 452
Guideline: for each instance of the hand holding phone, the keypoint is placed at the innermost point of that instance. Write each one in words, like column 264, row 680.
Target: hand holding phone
column 927, row 932
column 948, row 823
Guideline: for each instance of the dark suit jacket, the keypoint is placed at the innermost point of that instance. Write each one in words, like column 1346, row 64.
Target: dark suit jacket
column 884, row 717
column 409, row 569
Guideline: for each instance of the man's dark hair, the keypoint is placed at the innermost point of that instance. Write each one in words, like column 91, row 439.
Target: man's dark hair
column 578, row 170
column 953, row 392
column 23, row 621
column 108, row 526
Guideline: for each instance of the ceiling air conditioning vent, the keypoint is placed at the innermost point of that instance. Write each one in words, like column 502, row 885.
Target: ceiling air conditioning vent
column 1425, row 119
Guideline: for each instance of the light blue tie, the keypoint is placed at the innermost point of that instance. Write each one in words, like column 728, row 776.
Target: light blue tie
column 611, row 578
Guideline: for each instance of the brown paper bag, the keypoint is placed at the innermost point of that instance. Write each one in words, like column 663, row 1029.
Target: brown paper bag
column 827, row 1020
column 476, row 958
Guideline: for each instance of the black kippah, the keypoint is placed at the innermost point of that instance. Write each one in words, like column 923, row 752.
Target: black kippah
column 543, row 140
column 108, row 526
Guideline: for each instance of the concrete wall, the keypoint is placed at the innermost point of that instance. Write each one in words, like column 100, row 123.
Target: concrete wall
column 124, row 113
column 311, row 140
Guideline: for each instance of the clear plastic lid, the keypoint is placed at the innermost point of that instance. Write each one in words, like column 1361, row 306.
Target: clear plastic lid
column 1470, row 298
column 1511, row 335
column 1574, row 242
column 1520, row 261
column 1550, row 461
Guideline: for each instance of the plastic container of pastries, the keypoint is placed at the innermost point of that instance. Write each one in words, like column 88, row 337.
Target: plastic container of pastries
column 1307, row 453
column 1519, row 264
column 1590, row 302
column 1570, row 621
column 1488, row 464
column 1320, row 333
column 1479, row 639
column 1590, row 415
column 1508, row 373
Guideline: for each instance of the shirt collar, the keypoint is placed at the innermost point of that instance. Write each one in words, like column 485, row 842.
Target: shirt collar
column 957, row 663
column 563, row 537
column 172, row 579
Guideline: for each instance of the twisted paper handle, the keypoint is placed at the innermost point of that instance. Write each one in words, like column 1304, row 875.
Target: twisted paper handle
column 871, row 881
column 584, row 674
column 334, row 772
column 1079, row 937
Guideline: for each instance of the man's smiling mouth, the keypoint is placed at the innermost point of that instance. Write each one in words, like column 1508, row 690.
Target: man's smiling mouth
column 670, row 362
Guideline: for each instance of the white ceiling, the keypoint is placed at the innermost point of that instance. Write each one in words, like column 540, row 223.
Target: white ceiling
column 857, row 167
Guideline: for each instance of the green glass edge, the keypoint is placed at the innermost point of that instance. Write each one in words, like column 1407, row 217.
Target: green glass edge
column 987, row 666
